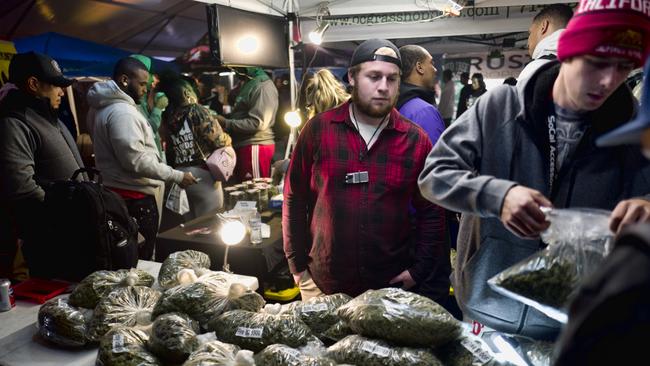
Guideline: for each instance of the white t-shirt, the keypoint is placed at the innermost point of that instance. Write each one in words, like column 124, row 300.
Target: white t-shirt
column 370, row 133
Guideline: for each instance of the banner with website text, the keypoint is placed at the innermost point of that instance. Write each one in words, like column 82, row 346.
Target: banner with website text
column 472, row 20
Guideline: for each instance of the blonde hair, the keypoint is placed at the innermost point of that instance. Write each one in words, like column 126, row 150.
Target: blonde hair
column 322, row 91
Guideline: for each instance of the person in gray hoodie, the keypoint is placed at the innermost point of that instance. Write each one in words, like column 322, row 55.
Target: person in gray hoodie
column 520, row 148
column 543, row 35
column 251, row 125
column 125, row 150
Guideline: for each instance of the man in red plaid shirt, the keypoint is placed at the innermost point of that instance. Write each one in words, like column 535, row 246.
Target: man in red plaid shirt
column 351, row 180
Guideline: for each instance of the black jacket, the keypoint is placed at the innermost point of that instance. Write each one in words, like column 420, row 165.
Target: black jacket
column 409, row 91
column 35, row 149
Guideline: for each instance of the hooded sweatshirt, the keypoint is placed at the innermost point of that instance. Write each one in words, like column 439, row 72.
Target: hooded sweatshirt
column 545, row 50
column 414, row 103
column 125, row 151
column 254, row 112
column 503, row 141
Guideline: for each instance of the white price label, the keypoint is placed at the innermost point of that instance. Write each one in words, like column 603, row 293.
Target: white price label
column 376, row 349
column 118, row 343
column 249, row 332
column 245, row 205
column 475, row 348
column 294, row 353
column 314, row 308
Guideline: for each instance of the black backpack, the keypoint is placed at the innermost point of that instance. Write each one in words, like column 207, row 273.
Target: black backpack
column 89, row 228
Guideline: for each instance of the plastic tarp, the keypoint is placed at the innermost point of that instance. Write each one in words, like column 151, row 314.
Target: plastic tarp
column 78, row 57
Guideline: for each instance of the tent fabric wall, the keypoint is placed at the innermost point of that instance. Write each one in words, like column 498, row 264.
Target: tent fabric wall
column 78, row 57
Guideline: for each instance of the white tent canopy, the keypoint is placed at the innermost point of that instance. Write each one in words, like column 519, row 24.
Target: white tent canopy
column 355, row 20
column 170, row 27
column 309, row 8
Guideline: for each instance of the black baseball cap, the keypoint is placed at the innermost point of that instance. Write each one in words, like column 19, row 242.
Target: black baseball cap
column 366, row 52
column 42, row 67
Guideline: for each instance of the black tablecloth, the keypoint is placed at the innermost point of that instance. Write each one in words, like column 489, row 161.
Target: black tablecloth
column 244, row 258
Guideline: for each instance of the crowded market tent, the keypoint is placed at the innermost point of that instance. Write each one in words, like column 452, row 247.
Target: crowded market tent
column 201, row 234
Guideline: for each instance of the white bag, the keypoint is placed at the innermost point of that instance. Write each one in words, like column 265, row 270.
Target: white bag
column 177, row 200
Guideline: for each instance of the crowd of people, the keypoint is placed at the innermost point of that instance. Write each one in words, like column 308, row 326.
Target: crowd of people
column 383, row 168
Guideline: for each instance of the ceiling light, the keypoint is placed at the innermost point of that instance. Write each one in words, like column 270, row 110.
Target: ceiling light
column 316, row 36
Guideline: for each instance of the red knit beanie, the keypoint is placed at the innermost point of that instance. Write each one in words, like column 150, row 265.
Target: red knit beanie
column 608, row 28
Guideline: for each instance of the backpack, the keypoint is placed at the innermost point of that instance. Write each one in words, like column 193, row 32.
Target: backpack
column 89, row 227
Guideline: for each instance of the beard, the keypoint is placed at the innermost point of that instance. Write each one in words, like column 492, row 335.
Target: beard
column 134, row 92
column 370, row 110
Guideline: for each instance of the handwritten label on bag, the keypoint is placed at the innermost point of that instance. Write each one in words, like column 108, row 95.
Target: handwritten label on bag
column 314, row 308
column 118, row 343
column 249, row 332
column 375, row 349
column 475, row 348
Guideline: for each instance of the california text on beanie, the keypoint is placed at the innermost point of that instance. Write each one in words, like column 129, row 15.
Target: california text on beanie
column 608, row 28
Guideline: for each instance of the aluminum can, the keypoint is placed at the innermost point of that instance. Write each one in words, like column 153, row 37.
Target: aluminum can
column 6, row 295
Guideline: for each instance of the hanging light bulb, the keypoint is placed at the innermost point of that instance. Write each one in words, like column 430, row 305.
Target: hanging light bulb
column 292, row 118
column 316, row 36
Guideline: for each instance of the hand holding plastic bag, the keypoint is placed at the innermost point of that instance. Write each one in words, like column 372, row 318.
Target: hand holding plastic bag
column 177, row 200
column 578, row 241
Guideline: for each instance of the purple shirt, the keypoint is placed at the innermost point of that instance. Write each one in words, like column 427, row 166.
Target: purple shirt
column 426, row 116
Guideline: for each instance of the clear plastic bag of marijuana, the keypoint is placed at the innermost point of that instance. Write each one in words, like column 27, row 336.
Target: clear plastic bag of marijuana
column 359, row 350
column 196, row 262
column 98, row 284
column 213, row 353
column 123, row 346
column 127, row 306
column 401, row 317
column 578, row 241
column 173, row 337
column 320, row 313
column 254, row 331
column 337, row 332
column 282, row 355
column 537, row 353
column 466, row 350
column 63, row 324
column 208, row 298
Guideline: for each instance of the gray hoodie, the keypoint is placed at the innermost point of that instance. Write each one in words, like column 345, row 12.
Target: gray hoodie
column 500, row 142
column 545, row 50
column 125, row 150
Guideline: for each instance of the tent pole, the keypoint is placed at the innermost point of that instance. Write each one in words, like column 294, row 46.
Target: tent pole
column 292, row 78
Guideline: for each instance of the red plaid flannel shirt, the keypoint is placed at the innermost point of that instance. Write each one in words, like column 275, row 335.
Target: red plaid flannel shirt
column 354, row 237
